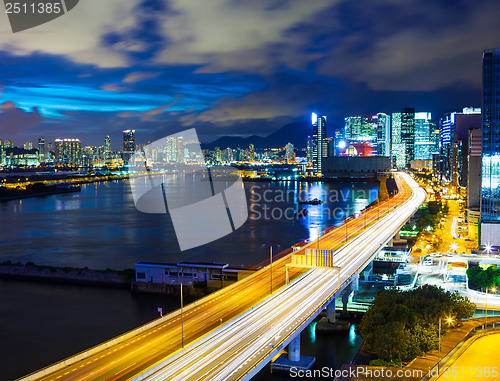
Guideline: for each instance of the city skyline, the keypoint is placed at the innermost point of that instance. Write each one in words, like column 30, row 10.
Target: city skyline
column 133, row 70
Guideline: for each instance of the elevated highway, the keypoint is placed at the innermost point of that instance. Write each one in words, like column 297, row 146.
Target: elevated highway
column 231, row 334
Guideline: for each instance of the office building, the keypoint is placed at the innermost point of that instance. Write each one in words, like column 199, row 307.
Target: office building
column 383, row 135
column 490, row 202
column 289, row 153
column 408, row 134
column 68, row 152
column 424, row 146
column 474, row 182
column 320, row 149
column 397, row 146
column 352, row 127
column 107, row 150
column 455, row 127
column 41, row 149
column 128, row 145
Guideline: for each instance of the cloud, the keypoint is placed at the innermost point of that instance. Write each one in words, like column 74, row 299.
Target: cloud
column 444, row 50
column 224, row 35
column 112, row 87
column 285, row 97
column 13, row 120
column 148, row 115
column 138, row 76
column 79, row 33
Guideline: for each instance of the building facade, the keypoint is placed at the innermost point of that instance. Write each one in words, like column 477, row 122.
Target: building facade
column 68, row 152
column 319, row 148
column 128, row 145
column 490, row 200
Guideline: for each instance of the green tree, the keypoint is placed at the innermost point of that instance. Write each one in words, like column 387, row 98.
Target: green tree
column 480, row 279
column 401, row 325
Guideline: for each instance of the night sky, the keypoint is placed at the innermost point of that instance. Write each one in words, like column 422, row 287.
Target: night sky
column 237, row 67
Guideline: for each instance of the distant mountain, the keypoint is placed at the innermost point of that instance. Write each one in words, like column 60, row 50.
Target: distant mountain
column 295, row 133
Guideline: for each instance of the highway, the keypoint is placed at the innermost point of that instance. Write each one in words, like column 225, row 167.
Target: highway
column 238, row 324
column 479, row 361
column 242, row 345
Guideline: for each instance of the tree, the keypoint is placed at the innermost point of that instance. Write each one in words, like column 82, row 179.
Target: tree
column 401, row 325
column 480, row 279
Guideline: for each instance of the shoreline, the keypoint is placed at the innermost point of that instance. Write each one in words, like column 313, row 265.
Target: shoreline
column 69, row 275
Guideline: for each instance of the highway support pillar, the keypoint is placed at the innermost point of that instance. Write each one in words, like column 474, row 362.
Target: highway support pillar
column 330, row 324
column 330, row 312
column 294, row 349
column 294, row 359
column 355, row 282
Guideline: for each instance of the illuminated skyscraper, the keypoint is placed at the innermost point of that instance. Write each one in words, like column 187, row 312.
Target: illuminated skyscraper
column 68, row 152
column 490, row 203
column 41, row 149
column 383, row 134
column 289, row 153
column 107, row 149
column 128, row 144
column 397, row 146
column 320, row 150
column 352, row 127
column 423, row 143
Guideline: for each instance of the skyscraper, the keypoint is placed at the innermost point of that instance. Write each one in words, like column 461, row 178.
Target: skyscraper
column 352, row 127
column 128, row 144
column 490, row 202
column 41, row 149
column 289, row 153
column 397, row 146
column 320, row 150
column 408, row 134
column 383, row 134
column 107, row 150
column 423, row 143
column 68, row 152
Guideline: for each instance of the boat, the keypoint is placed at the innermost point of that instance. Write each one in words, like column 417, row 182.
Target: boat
column 301, row 213
column 314, row 201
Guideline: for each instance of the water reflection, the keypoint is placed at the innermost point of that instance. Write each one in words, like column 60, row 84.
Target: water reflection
column 100, row 227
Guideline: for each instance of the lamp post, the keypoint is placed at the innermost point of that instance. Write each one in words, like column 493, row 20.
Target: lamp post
column 182, row 320
column 345, row 222
column 271, row 268
column 448, row 320
column 318, row 239
column 493, row 289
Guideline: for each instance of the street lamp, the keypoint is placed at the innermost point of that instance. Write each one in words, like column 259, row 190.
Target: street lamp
column 493, row 289
column 271, row 268
column 454, row 247
column 449, row 320
column 488, row 249
column 182, row 319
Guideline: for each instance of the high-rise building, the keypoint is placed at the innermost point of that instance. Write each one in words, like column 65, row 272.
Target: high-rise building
column 107, row 150
column 383, row 134
column 368, row 128
column 7, row 143
column 423, row 143
column 397, row 146
column 408, row 134
column 352, row 127
column 41, row 149
column 490, row 202
column 128, row 145
column 28, row 146
column 68, row 152
column 251, row 152
column 320, row 149
column 289, row 153
column 474, row 182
